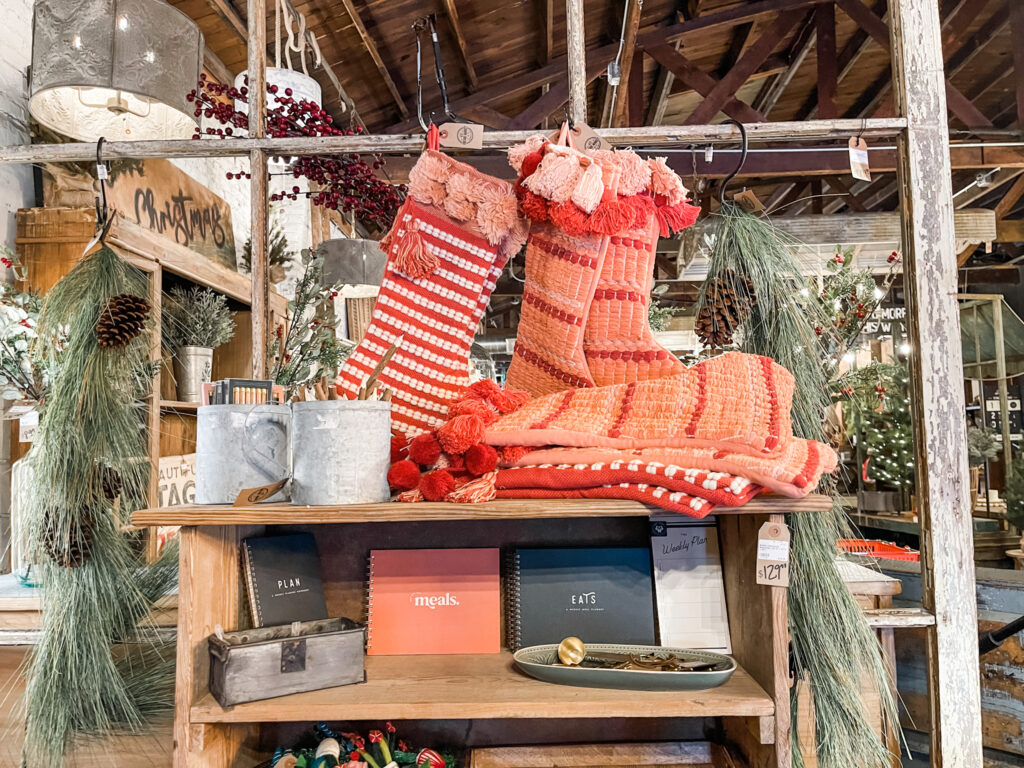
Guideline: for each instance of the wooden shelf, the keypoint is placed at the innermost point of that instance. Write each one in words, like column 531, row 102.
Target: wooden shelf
column 287, row 514
column 458, row 687
column 178, row 405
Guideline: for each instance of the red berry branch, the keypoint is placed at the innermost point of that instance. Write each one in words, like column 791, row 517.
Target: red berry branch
column 347, row 182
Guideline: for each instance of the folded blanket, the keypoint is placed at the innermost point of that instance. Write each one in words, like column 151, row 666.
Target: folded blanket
column 792, row 470
column 692, row 492
column 735, row 401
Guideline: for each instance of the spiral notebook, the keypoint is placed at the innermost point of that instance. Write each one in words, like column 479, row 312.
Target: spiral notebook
column 433, row 601
column 282, row 579
column 603, row 595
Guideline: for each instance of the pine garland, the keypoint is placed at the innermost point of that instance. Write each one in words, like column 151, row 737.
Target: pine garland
column 93, row 672
column 831, row 642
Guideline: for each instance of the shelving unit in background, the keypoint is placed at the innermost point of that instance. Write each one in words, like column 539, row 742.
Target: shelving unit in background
column 752, row 708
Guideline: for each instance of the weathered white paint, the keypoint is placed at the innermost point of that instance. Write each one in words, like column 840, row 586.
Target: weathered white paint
column 937, row 395
column 16, row 186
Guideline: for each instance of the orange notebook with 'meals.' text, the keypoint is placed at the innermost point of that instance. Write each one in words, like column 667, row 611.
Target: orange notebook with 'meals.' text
column 433, row 601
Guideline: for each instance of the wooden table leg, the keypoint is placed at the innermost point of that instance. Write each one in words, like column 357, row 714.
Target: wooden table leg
column 209, row 594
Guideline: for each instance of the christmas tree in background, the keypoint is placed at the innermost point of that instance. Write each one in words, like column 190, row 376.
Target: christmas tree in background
column 876, row 406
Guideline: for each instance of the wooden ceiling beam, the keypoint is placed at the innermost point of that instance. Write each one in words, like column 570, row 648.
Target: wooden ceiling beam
column 840, row 184
column 485, row 115
column 828, row 63
column 371, row 48
column 737, row 43
column 547, row 50
column 692, row 77
column 557, row 67
column 1010, row 199
column 551, row 100
column 958, row 104
column 1017, row 27
column 751, row 59
column 631, row 27
column 230, row 16
column 802, row 46
column 467, row 63
column 662, row 89
column 216, row 67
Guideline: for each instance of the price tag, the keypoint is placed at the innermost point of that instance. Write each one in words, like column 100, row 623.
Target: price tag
column 461, row 135
column 28, row 425
column 773, row 555
column 101, row 172
column 859, row 166
column 585, row 137
column 256, row 495
column 748, row 201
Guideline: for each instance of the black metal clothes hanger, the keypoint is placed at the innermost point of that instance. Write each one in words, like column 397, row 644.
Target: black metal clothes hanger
column 743, row 160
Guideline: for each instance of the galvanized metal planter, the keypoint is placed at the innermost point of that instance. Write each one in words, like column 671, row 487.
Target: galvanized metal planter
column 193, row 367
column 341, row 450
column 256, row 664
column 240, row 446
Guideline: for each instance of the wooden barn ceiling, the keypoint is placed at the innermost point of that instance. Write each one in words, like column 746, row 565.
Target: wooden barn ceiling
column 693, row 61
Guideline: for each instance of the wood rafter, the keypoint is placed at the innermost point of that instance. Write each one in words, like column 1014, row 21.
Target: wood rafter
column 840, row 184
column 1010, row 199
column 1017, row 27
column 550, row 100
column 556, row 68
column 828, row 64
column 958, row 104
column 230, row 16
column 485, row 115
column 737, row 42
column 452, row 12
column 631, row 27
column 371, row 48
column 662, row 89
column 547, row 49
column 751, row 59
column 803, row 44
column 692, row 77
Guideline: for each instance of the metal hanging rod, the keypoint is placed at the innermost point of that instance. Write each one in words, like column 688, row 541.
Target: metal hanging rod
column 655, row 136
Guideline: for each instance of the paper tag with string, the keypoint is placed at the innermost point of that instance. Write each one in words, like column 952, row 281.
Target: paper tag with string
column 859, row 166
column 256, row 495
column 461, row 135
column 585, row 137
column 749, row 201
column 773, row 555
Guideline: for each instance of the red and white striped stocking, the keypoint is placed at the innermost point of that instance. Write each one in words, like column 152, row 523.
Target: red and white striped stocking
column 452, row 237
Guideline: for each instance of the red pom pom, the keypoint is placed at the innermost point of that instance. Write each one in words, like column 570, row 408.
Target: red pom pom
column 508, row 400
column 570, row 218
column 534, row 206
column 481, row 459
column 456, row 435
column 436, row 485
column 424, row 450
column 473, row 407
column 483, row 388
column 511, row 454
column 404, row 475
column 530, row 163
column 399, row 448
column 456, row 463
column 612, row 217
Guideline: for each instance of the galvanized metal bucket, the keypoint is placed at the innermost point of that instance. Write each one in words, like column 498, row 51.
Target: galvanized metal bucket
column 193, row 367
column 240, row 446
column 341, row 450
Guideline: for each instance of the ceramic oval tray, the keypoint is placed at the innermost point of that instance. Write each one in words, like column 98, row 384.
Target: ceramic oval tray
column 541, row 662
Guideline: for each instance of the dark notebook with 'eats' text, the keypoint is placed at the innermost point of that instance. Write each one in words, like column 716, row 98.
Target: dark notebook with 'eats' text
column 282, row 577
column 601, row 595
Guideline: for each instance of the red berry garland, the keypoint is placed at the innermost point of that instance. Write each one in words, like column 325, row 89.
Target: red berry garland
column 347, row 183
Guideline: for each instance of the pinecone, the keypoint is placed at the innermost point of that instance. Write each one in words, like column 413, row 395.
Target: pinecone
column 110, row 479
column 78, row 542
column 122, row 319
column 727, row 303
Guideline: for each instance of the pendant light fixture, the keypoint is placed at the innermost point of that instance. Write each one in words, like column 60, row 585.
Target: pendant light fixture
column 114, row 68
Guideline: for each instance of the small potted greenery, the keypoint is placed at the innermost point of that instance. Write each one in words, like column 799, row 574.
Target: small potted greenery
column 981, row 446
column 195, row 322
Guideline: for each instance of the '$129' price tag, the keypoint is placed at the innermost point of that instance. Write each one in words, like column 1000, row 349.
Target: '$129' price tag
column 773, row 555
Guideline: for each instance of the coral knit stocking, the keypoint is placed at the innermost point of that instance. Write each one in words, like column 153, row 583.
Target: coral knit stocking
column 449, row 243
column 561, row 274
column 617, row 340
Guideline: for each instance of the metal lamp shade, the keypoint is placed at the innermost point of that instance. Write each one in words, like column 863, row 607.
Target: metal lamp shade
column 114, row 68
column 353, row 261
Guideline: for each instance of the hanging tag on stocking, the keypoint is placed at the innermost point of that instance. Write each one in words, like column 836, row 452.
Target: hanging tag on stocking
column 461, row 135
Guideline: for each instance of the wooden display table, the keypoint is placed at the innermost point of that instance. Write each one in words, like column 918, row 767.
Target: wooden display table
column 1017, row 555
column 754, row 705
